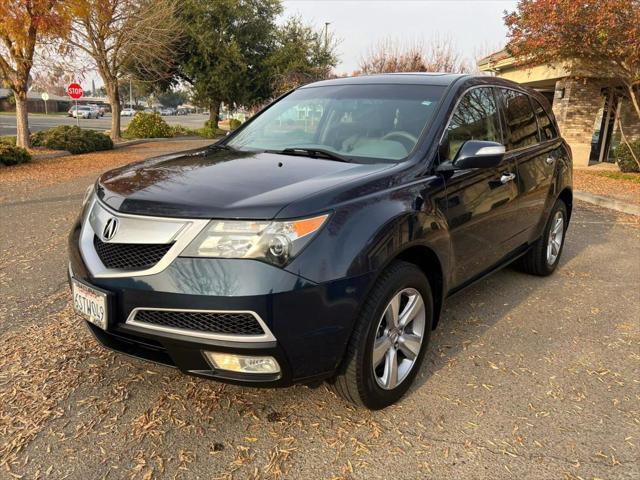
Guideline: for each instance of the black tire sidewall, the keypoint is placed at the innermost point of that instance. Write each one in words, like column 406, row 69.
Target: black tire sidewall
column 408, row 276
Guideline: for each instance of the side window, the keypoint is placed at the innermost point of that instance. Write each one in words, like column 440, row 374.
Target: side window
column 522, row 129
column 546, row 126
column 475, row 118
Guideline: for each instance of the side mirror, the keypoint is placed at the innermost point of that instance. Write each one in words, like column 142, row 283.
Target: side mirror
column 479, row 154
column 475, row 154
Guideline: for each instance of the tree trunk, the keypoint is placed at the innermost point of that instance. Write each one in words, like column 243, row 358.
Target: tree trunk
column 214, row 113
column 114, row 101
column 22, row 120
column 634, row 99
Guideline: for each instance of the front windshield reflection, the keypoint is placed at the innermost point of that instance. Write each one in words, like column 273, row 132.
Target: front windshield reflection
column 381, row 122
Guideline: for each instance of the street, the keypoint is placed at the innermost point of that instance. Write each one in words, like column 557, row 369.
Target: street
column 526, row 377
column 39, row 122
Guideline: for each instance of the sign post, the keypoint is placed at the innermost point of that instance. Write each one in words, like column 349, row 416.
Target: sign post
column 75, row 91
column 45, row 97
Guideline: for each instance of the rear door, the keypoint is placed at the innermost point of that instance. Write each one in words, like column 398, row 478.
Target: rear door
column 481, row 202
column 535, row 160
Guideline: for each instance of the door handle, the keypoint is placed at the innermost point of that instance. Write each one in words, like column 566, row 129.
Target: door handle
column 507, row 177
column 550, row 160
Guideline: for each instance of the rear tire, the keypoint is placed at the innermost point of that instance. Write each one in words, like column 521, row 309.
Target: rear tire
column 544, row 255
column 370, row 381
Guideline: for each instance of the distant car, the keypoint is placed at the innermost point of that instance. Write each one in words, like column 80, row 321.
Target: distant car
column 83, row 111
column 127, row 112
column 97, row 108
column 182, row 111
column 149, row 110
column 167, row 111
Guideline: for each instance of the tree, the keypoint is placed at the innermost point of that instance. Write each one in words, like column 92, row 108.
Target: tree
column 123, row 34
column 301, row 55
column 223, row 56
column 600, row 38
column 438, row 55
column 23, row 24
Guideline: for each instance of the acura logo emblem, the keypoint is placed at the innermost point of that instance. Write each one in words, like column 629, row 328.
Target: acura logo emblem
column 110, row 229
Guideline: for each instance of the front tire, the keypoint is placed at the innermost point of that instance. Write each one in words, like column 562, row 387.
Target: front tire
column 544, row 255
column 389, row 340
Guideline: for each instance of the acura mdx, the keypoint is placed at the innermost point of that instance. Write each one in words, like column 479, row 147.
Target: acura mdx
column 318, row 241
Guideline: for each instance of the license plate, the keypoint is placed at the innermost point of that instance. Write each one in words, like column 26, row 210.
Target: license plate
column 90, row 303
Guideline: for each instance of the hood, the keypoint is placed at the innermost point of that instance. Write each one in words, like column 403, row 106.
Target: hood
column 217, row 183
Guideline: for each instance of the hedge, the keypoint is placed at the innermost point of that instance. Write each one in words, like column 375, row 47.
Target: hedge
column 12, row 155
column 625, row 160
column 147, row 125
column 72, row 139
column 234, row 123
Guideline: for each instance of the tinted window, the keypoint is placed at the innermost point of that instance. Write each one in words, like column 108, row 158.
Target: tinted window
column 546, row 126
column 475, row 118
column 522, row 129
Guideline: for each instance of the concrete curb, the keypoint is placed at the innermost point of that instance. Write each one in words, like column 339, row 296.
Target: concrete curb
column 608, row 202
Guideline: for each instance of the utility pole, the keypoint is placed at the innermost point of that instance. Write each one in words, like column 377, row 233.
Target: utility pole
column 326, row 35
column 130, row 94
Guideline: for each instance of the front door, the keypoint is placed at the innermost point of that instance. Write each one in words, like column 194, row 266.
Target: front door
column 481, row 203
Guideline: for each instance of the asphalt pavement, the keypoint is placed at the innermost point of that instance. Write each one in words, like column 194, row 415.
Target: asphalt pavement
column 39, row 122
column 526, row 377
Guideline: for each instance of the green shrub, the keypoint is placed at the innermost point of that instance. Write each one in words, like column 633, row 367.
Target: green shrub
column 12, row 155
column 11, row 140
column 72, row 139
column 625, row 160
column 148, row 125
column 234, row 123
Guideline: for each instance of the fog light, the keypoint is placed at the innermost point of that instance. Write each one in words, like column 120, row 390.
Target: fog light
column 243, row 363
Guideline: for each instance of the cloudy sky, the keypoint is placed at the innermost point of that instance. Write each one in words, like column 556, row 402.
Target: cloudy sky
column 475, row 26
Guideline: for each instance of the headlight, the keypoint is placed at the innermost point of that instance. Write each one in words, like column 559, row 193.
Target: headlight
column 275, row 242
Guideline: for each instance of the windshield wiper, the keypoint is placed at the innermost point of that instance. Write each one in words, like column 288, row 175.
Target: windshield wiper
column 312, row 152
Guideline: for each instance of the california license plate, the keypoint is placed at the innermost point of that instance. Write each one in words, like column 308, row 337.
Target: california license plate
column 90, row 303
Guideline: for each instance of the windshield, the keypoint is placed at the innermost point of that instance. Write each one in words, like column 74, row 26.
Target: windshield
column 357, row 122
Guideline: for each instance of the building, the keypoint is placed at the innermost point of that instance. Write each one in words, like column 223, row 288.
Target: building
column 584, row 105
column 56, row 103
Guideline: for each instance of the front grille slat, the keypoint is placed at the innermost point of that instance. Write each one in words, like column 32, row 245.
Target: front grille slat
column 229, row 323
column 129, row 256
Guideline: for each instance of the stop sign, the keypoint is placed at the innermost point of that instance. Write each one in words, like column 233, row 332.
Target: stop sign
column 75, row 91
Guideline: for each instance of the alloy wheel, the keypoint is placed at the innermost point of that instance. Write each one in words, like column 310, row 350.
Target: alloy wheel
column 398, row 338
column 556, row 234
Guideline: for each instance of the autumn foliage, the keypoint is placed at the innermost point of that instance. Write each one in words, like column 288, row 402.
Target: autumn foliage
column 602, row 37
column 23, row 24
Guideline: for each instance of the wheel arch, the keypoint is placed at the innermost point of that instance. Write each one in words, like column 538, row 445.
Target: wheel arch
column 566, row 196
column 427, row 260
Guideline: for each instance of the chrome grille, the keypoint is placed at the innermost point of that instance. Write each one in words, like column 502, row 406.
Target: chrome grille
column 225, row 323
column 129, row 256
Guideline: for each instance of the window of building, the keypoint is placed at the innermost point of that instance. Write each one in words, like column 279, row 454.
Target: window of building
column 522, row 129
column 475, row 118
column 546, row 126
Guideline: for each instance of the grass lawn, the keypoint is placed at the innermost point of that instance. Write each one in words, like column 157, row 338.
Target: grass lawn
column 631, row 177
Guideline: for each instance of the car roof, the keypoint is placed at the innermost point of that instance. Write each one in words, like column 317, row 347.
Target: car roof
column 409, row 78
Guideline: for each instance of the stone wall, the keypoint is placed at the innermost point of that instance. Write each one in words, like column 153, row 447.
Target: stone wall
column 576, row 113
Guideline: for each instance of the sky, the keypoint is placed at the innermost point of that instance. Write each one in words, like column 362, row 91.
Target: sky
column 475, row 26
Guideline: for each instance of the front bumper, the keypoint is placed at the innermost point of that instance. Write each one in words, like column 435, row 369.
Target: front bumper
column 311, row 323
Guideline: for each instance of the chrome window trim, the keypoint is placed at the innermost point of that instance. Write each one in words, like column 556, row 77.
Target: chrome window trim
column 267, row 336
column 181, row 239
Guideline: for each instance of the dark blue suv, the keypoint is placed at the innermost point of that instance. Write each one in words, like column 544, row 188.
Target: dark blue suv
column 319, row 241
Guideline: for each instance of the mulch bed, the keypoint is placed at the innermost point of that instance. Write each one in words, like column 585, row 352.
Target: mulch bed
column 597, row 183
